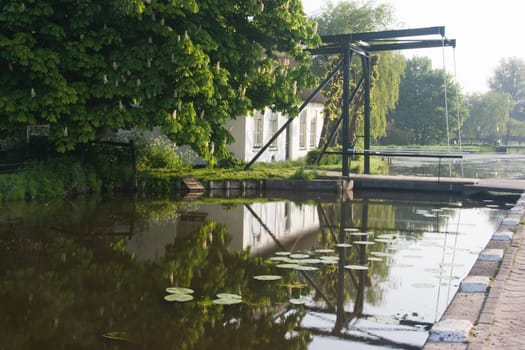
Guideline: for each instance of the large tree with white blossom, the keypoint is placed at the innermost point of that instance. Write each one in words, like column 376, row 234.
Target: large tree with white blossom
column 86, row 66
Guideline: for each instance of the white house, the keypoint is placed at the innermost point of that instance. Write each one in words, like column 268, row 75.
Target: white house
column 302, row 135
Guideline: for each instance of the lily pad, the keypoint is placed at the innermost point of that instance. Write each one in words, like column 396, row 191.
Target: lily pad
column 228, row 296
column 324, row 251
column 364, row 242
column 330, row 262
column 356, row 267
column 343, row 245
column 179, row 297
column 179, row 290
column 115, row 335
column 287, row 266
column 267, row 277
column 226, row 301
column 383, row 240
column 373, row 258
column 306, row 268
column 307, row 261
column 359, row 234
column 298, row 301
column 282, row 253
column 299, row 256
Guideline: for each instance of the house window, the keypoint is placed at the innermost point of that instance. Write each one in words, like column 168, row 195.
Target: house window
column 258, row 122
column 274, row 126
column 302, row 130
column 313, row 130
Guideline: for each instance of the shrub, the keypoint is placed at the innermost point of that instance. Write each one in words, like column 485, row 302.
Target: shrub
column 301, row 174
column 53, row 178
column 111, row 165
column 159, row 153
column 230, row 162
column 328, row 159
column 11, row 187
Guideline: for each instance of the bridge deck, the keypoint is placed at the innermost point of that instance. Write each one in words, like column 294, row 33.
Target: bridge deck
column 442, row 184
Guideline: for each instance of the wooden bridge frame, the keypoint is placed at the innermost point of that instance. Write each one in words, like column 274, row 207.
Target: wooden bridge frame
column 362, row 44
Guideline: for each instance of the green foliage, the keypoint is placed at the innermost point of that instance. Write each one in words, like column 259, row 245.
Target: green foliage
column 420, row 115
column 53, row 178
column 489, row 115
column 12, row 187
column 509, row 78
column 43, row 182
column 85, row 67
column 159, row 153
column 230, row 162
column 348, row 17
column 352, row 16
column 112, row 165
column 327, row 159
column 302, row 174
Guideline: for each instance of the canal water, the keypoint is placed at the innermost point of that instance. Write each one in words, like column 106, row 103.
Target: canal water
column 368, row 272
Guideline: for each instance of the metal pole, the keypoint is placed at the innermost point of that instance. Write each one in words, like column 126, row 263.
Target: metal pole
column 366, row 71
column 347, row 58
column 336, row 126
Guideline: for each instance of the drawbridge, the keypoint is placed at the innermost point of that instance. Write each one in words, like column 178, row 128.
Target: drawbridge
column 363, row 46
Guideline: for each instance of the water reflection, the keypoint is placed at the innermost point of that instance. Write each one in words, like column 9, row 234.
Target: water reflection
column 92, row 273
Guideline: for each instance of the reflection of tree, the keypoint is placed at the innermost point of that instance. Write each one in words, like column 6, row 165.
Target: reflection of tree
column 60, row 290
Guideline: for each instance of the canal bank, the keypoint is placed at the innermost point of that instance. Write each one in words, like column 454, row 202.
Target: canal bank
column 487, row 312
column 336, row 184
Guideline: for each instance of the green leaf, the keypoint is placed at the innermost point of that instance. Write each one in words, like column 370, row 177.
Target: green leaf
column 267, row 277
column 232, row 301
column 179, row 290
column 356, row 267
column 179, row 297
column 228, row 296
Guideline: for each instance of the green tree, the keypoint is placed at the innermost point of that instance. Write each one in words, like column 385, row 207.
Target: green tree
column 420, row 116
column 86, row 67
column 353, row 17
column 509, row 78
column 489, row 115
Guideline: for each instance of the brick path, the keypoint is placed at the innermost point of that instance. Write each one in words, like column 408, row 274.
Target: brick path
column 502, row 322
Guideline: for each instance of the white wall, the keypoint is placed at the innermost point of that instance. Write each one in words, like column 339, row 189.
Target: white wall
column 242, row 129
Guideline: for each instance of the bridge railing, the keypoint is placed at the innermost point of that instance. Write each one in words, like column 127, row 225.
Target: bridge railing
column 405, row 152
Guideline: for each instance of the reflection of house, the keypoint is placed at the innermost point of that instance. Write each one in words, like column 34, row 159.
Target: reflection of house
column 292, row 226
column 252, row 132
column 289, row 225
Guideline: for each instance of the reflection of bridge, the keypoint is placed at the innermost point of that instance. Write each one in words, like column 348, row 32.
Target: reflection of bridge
column 333, row 319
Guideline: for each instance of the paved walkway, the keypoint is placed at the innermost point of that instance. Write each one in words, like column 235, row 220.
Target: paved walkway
column 502, row 320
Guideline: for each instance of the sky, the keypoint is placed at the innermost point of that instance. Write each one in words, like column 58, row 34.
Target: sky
column 485, row 33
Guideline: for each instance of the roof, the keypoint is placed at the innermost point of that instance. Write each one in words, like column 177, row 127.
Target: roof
column 319, row 98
